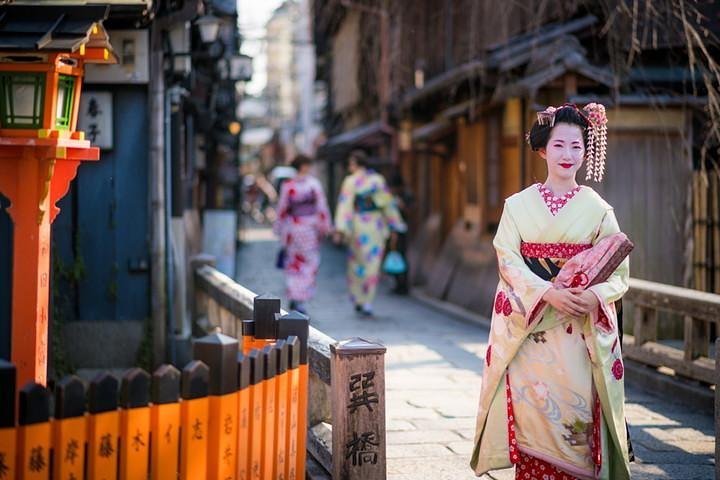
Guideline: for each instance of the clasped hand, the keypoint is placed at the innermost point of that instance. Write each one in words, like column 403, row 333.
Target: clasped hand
column 572, row 301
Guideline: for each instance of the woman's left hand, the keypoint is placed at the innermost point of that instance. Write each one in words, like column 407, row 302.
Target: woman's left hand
column 588, row 300
column 393, row 240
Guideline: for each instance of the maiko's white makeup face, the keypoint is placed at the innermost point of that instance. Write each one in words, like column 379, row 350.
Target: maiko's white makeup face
column 565, row 151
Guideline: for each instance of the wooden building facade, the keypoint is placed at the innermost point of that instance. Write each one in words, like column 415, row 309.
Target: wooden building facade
column 465, row 80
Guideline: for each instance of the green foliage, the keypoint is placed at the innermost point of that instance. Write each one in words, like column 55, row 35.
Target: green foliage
column 71, row 274
column 144, row 356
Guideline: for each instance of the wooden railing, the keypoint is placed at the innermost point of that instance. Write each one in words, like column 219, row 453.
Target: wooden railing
column 699, row 310
column 345, row 379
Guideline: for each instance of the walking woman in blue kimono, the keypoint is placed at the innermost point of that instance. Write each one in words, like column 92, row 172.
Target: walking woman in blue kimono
column 365, row 216
column 303, row 220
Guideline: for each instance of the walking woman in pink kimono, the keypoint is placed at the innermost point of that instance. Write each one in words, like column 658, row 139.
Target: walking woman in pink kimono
column 552, row 400
column 303, row 220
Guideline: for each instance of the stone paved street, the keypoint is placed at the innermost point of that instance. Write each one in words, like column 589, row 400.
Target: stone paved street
column 433, row 374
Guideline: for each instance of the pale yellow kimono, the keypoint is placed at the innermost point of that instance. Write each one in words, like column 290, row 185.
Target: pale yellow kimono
column 366, row 230
column 557, row 365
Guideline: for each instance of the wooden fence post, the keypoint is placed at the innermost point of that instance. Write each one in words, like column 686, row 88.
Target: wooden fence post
column 291, row 443
column 8, row 445
column 194, row 418
column 358, row 410
column 644, row 324
column 244, row 439
column 281, row 394
column 265, row 307
column 69, row 429
column 219, row 352
column 298, row 325
column 134, row 424
column 103, row 427
column 34, row 433
column 696, row 338
column 257, row 376
column 165, row 423
column 269, row 359
column 247, row 329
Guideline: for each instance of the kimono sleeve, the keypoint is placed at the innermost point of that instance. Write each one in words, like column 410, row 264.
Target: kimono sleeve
column 322, row 208
column 282, row 210
column 390, row 211
column 344, row 209
column 524, row 284
column 616, row 286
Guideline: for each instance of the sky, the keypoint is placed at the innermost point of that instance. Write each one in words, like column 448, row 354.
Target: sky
column 252, row 15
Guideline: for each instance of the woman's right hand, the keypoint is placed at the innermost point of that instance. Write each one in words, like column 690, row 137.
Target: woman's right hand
column 565, row 301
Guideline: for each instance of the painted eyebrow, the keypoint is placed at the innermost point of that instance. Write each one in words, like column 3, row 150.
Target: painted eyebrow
column 563, row 141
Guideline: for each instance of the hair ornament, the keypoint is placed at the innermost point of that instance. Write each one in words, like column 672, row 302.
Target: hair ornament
column 597, row 141
column 547, row 116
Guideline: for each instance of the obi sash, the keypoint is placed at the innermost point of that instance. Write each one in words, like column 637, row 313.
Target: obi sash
column 303, row 207
column 364, row 202
column 546, row 259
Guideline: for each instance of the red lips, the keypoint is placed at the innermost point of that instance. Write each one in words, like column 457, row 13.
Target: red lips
column 566, row 165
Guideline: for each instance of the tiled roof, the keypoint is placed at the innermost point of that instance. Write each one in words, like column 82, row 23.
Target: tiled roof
column 51, row 28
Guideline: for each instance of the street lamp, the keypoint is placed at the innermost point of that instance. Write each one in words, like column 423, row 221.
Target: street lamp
column 26, row 94
column 43, row 92
column 209, row 26
column 22, row 99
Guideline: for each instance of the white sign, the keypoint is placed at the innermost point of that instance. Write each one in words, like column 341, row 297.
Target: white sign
column 95, row 118
column 131, row 48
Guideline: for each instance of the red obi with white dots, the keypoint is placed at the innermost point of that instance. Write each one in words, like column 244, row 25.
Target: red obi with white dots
column 552, row 250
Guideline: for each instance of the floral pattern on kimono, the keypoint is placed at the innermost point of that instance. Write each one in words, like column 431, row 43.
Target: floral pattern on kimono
column 303, row 220
column 552, row 370
column 366, row 230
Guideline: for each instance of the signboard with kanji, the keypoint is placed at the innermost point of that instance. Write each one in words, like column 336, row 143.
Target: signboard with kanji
column 96, row 118
column 358, row 410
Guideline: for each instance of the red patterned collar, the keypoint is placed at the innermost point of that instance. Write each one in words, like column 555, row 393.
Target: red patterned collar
column 554, row 203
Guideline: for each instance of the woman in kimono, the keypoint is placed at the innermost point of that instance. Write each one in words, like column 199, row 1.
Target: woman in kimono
column 552, row 399
column 365, row 215
column 303, row 221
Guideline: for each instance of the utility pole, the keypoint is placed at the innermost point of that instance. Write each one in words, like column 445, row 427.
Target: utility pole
column 157, row 198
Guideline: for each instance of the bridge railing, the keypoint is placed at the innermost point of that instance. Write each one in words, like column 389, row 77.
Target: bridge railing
column 345, row 406
column 699, row 309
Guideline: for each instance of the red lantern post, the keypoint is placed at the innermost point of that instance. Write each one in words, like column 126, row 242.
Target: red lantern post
column 40, row 152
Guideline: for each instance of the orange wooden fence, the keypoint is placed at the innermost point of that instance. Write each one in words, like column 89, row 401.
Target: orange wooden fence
column 237, row 411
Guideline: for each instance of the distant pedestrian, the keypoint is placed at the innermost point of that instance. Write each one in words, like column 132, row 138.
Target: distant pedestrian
column 366, row 215
column 403, row 200
column 303, row 220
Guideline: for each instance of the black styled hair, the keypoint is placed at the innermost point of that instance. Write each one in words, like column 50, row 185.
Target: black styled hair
column 359, row 157
column 539, row 135
column 300, row 160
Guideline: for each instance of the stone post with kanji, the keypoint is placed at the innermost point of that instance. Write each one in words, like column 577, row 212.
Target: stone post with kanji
column 358, row 410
